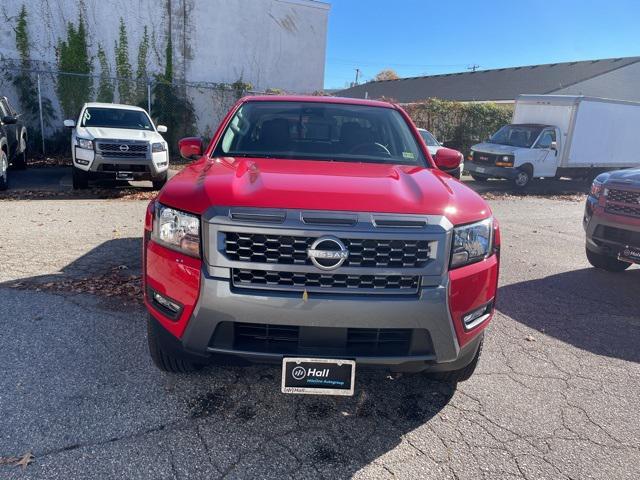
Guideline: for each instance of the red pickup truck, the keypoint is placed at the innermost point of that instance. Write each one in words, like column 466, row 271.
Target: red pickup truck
column 319, row 233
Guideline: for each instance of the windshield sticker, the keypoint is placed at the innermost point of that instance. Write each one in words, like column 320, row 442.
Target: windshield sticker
column 409, row 155
column 87, row 115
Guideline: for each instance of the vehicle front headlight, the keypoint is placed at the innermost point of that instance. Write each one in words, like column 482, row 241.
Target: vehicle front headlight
column 177, row 230
column 84, row 143
column 158, row 147
column 472, row 243
column 596, row 189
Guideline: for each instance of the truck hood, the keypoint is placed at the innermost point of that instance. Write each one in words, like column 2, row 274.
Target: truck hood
column 629, row 177
column 93, row 133
column 321, row 185
column 496, row 149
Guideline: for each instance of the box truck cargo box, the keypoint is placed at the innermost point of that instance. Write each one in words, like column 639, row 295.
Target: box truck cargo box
column 560, row 135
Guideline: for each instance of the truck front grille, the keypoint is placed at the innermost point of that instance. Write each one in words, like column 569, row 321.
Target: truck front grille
column 481, row 157
column 123, row 150
column 325, row 282
column 623, row 202
column 289, row 250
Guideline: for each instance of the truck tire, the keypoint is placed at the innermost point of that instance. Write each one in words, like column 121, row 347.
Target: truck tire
column 605, row 262
column 479, row 178
column 162, row 359
column 461, row 375
column 522, row 178
column 159, row 182
column 4, row 167
column 20, row 163
column 80, row 179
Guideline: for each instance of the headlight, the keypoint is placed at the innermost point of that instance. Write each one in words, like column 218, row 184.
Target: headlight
column 596, row 189
column 158, row 147
column 178, row 230
column 505, row 161
column 472, row 243
column 84, row 143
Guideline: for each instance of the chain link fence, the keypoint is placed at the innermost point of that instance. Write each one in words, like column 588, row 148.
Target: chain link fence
column 45, row 97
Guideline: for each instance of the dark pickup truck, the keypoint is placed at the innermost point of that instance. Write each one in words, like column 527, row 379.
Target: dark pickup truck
column 612, row 220
column 13, row 141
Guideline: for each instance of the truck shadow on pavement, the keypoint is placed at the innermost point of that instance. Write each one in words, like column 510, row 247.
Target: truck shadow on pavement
column 590, row 309
column 221, row 421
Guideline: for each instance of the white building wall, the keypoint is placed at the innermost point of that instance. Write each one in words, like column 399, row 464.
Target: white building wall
column 267, row 43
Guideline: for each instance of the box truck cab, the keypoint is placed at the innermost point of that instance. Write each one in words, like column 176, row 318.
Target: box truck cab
column 559, row 136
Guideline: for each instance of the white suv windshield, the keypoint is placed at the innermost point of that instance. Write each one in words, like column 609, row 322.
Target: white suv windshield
column 320, row 131
column 116, row 118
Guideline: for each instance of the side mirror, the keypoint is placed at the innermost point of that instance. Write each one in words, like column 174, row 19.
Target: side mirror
column 191, row 148
column 554, row 146
column 161, row 129
column 447, row 159
column 9, row 120
column 70, row 123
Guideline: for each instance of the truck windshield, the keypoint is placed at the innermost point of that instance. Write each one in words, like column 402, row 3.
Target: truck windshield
column 320, row 131
column 517, row 135
column 429, row 139
column 116, row 118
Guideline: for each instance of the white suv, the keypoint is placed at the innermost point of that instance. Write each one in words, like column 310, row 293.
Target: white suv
column 119, row 142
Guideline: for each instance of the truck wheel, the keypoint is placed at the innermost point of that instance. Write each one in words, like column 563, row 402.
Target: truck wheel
column 4, row 166
column 159, row 182
column 163, row 359
column 461, row 375
column 80, row 179
column 522, row 179
column 20, row 163
column 605, row 262
column 479, row 178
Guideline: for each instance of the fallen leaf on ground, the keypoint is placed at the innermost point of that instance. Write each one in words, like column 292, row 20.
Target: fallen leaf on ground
column 530, row 338
column 26, row 459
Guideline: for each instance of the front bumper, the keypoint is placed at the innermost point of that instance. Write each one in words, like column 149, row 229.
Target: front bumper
column 490, row 170
column 606, row 233
column 324, row 324
column 152, row 166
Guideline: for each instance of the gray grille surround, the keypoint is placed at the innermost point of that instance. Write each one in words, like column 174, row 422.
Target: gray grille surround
column 435, row 231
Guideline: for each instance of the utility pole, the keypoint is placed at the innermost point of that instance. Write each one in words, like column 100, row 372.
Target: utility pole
column 473, row 67
column 357, row 76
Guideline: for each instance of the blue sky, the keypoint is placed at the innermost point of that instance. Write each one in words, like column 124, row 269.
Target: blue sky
column 418, row 37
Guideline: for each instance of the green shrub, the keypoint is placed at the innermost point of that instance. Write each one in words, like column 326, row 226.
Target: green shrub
column 458, row 124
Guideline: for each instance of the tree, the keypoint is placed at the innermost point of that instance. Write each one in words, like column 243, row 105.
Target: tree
column 386, row 74
column 123, row 66
column 141, row 72
column 106, row 88
column 73, row 58
column 171, row 105
column 24, row 82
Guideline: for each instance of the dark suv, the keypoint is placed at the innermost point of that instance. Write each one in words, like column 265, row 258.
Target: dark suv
column 13, row 141
column 612, row 220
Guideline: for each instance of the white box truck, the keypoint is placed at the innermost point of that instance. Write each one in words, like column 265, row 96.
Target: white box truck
column 560, row 136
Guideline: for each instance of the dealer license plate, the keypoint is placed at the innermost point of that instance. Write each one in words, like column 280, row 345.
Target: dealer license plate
column 318, row 376
column 629, row 254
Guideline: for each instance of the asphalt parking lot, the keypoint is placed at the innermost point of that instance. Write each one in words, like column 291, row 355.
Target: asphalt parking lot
column 555, row 395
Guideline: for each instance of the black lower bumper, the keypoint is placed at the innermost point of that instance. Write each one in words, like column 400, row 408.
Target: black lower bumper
column 310, row 345
column 490, row 171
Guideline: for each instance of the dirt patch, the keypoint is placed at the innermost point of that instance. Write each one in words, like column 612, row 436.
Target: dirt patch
column 41, row 161
column 569, row 196
column 89, row 194
column 115, row 284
